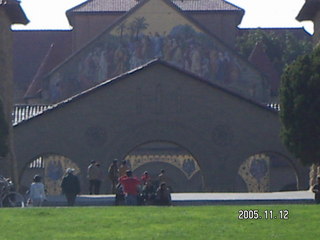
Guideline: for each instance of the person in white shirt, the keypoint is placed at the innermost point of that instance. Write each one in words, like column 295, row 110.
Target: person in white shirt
column 37, row 192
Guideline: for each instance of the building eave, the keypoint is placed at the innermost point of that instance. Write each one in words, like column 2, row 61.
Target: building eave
column 14, row 11
column 308, row 10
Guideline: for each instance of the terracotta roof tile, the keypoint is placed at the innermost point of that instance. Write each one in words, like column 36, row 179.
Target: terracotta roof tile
column 126, row 5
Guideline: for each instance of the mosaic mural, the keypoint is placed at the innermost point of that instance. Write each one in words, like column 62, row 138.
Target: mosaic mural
column 131, row 44
column 185, row 162
column 255, row 171
column 54, row 170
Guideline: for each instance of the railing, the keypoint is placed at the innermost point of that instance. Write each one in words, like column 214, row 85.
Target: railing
column 24, row 112
column 275, row 106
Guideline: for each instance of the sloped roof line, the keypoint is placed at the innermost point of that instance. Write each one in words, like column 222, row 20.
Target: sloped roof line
column 118, row 78
column 131, row 11
column 126, row 5
column 36, row 84
column 308, row 10
column 14, row 11
column 261, row 60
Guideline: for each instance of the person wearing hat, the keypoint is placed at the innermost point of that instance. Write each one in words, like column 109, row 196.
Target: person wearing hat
column 37, row 192
column 316, row 190
column 70, row 186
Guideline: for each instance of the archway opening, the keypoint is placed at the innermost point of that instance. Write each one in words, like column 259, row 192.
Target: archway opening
column 182, row 172
column 266, row 172
column 51, row 167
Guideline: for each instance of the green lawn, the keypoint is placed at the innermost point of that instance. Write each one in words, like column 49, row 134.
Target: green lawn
column 201, row 222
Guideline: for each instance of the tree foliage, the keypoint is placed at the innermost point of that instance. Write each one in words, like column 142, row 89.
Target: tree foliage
column 282, row 49
column 300, row 108
column 4, row 131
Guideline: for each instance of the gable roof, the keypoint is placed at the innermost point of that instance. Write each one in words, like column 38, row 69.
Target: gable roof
column 126, row 5
column 14, row 11
column 260, row 59
column 199, row 28
column 26, row 60
column 48, row 108
column 36, row 85
column 137, row 6
column 309, row 10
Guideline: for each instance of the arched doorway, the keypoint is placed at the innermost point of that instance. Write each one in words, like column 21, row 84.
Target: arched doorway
column 181, row 168
column 51, row 167
column 266, row 172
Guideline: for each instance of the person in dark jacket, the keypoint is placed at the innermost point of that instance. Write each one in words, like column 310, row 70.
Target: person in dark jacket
column 163, row 196
column 70, row 186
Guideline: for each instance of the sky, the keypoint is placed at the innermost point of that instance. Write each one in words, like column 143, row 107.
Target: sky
column 50, row 14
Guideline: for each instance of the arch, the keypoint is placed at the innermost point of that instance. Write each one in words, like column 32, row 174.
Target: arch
column 51, row 166
column 269, row 171
column 181, row 167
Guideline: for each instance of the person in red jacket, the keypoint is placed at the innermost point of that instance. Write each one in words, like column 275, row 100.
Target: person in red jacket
column 145, row 178
column 130, row 187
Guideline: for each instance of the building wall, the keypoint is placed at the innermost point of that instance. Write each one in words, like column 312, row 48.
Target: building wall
column 156, row 103
column 155, row 30
column 221, row 24
column 316, row 26
column 6, row 76
column 87, row 26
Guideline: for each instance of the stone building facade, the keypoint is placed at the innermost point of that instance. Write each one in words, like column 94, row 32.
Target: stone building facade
column 10, row 13
column 161, row 88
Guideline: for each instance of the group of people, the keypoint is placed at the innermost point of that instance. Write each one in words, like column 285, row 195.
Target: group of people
column 70, row 187
column 134, row 191
column 128, row 189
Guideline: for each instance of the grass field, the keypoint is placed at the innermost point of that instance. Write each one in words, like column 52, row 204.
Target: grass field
column 146, row 223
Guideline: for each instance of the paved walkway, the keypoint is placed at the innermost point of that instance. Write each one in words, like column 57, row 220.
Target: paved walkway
column 296, row 197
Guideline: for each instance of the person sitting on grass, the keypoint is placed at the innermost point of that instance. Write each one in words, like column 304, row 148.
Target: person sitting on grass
column 163, row 196
column 148, row 193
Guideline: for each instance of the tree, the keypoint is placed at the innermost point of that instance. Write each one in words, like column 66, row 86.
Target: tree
column 281, row 48
column 300, row 108
column 4, row 132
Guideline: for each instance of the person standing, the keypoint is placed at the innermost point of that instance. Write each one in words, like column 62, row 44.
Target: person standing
column 99, row 179
column 37, row 192
column 316, row 191
column 70, row 186
column 162, row 176
column 93, row 175
column 123, row 168
column 145, row 178
column 130, row 186
column 113, row 174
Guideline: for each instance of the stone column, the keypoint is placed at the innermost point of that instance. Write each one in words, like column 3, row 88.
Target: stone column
column 6, row 91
